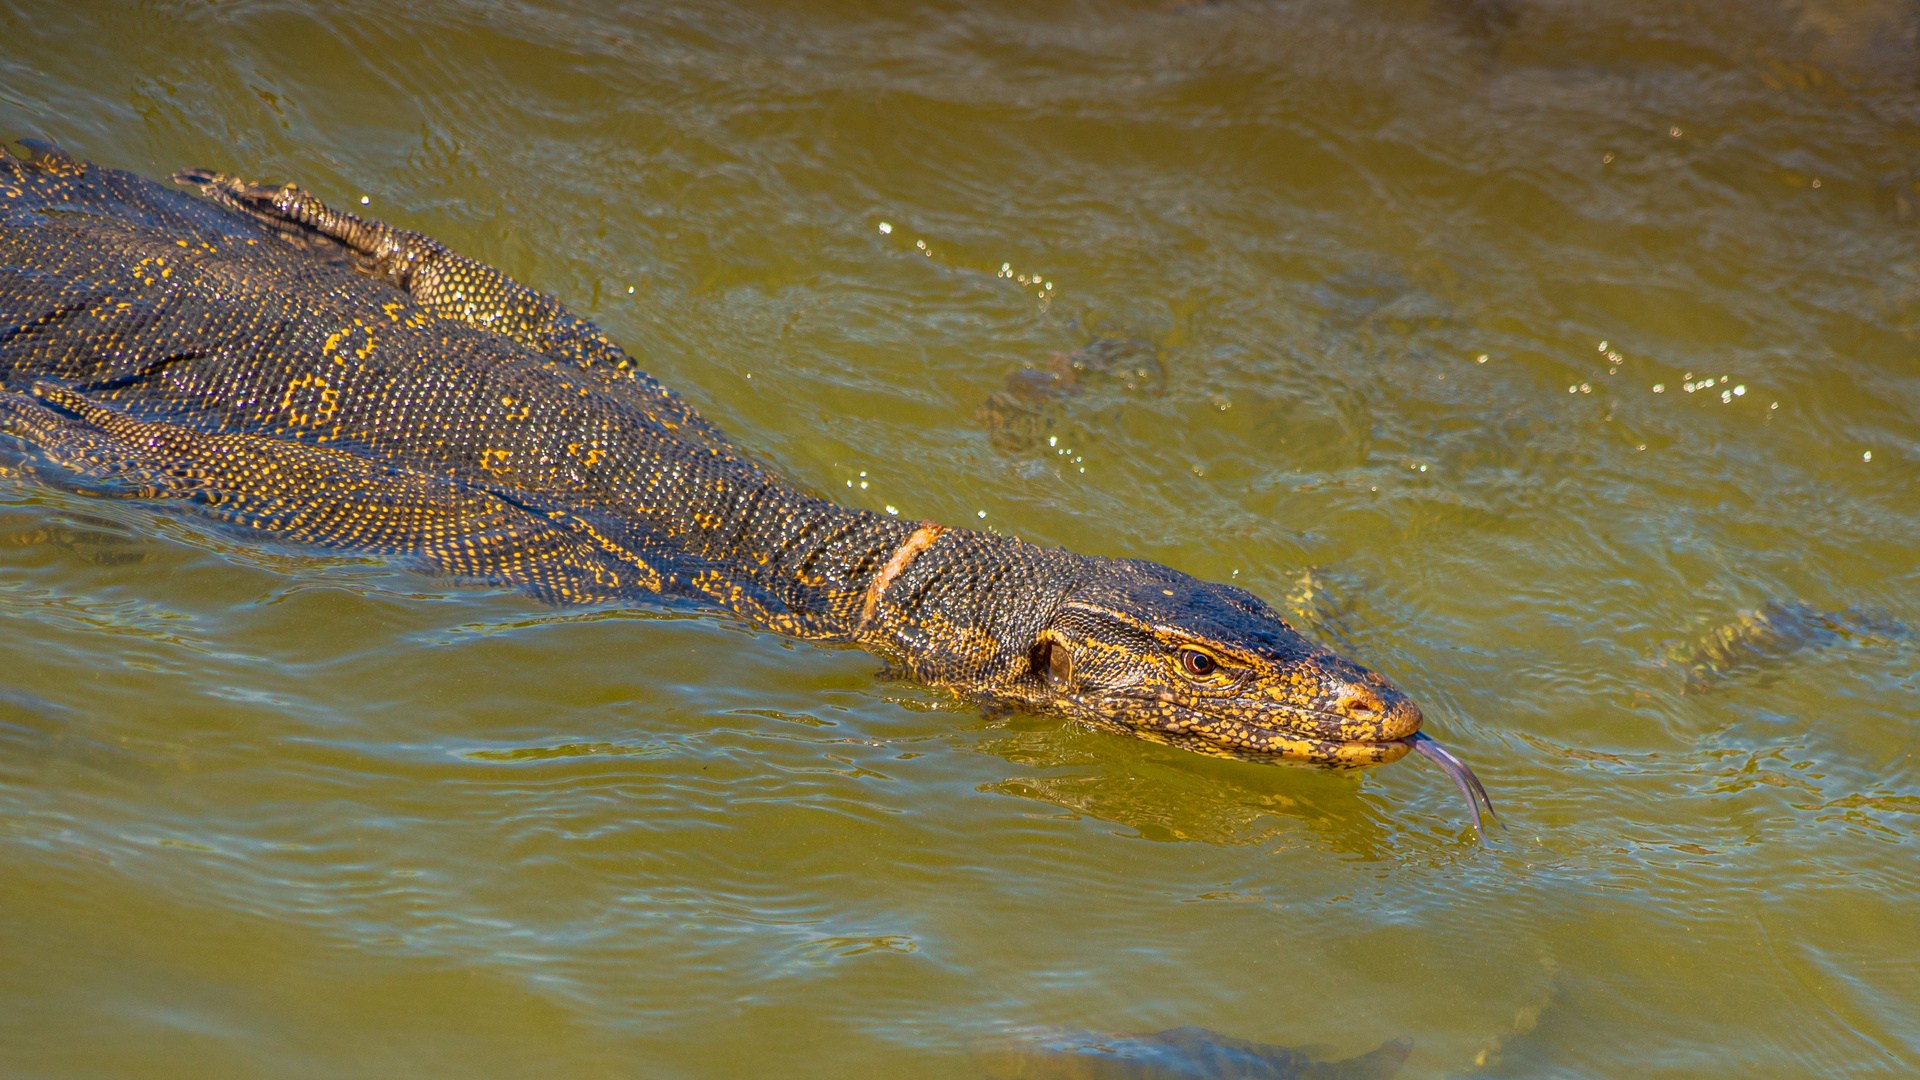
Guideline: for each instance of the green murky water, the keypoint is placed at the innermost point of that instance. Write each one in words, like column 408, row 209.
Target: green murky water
column 1556, row 358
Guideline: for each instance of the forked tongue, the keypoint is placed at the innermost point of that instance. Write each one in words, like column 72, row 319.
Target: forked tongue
column 1463, row 779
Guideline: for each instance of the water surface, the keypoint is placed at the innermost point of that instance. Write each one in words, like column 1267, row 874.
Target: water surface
column 1556, row 358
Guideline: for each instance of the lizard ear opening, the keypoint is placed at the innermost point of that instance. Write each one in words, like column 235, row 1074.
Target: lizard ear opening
column 1052, row 660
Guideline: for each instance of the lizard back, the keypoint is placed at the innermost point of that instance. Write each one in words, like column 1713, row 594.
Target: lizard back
column 329, row 380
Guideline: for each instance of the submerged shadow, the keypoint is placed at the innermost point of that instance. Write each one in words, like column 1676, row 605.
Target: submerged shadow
column 1769, row 637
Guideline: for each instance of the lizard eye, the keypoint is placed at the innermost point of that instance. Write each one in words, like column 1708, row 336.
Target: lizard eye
column 1198, row 664
column 1053, row 661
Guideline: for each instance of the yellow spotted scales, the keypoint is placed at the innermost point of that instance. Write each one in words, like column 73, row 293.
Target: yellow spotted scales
column 313, row 377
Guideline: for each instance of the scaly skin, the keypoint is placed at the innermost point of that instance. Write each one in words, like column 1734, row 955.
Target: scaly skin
column 317, row 378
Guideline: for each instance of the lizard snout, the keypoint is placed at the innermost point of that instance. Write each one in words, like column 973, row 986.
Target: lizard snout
column 1371, row 710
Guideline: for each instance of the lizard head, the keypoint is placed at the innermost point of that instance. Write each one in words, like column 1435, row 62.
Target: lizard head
column 1144, row 649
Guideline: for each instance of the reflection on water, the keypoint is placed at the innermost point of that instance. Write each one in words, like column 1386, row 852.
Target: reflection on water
column 1187, row 1053
column 1168, row 805
column 1555, row 359
column 91, row 540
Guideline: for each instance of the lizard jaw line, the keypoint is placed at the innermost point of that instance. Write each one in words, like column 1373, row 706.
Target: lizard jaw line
column 1305, row 747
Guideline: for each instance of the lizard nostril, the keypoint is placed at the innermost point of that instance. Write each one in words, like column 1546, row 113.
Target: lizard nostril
column 1376, row 716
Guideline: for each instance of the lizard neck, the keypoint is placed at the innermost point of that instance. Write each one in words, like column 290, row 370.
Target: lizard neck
column 963, row 608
